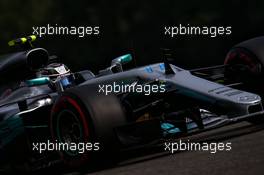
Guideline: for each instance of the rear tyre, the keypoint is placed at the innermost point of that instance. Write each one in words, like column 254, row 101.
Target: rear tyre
column 79, row 116
column 246, row 61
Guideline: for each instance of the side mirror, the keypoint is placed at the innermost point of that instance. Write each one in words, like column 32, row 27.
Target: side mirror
column 119, row 61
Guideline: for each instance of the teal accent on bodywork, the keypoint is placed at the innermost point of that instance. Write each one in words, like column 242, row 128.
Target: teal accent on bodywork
column 191, row 126
column 125, row 58
column 38, row 81
column 162, row 66
column 10, row 129
column 148, row 69
column 169, row 128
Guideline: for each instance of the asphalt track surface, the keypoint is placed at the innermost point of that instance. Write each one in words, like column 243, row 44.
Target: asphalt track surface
column 245, row 158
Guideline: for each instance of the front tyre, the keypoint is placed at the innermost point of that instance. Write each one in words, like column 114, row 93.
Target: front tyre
column 88, row 120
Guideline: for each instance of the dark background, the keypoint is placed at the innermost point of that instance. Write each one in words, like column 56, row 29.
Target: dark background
column 132, row 26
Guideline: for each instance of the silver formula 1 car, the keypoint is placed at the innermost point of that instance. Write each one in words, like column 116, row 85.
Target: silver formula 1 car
column 42, row 101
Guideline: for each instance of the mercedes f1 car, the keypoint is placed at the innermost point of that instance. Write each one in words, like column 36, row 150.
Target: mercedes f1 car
column 42, row 100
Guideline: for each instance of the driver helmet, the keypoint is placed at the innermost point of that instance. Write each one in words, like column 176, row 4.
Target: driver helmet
column 59, row 75
column 54, row 70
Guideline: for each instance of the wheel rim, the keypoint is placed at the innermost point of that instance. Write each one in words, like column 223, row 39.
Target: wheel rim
column 69, row 130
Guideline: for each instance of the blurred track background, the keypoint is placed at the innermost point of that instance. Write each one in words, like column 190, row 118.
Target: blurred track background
column 132, row 26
